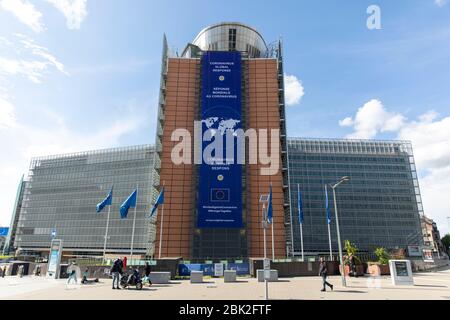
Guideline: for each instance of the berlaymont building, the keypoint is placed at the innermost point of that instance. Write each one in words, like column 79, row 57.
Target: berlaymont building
column 227, row 80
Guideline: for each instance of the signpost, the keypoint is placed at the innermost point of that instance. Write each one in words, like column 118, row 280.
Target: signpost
column 401, row 272
column 264, row 198
column 54, row 259
column 218, row 270
column 266, row 267
column 414, row 251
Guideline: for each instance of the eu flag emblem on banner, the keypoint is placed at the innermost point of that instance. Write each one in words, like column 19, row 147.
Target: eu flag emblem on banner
column 159, row 200
column 327, row 207
column 127, row 204
column 269, row 206
column 106, row 202
column 300, row 205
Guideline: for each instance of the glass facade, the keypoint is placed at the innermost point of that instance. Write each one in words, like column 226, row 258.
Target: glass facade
column 379, row 207
column 62, row 193
column 229, row 37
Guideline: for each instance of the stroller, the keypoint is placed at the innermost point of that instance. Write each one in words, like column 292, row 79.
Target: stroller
column 134, row 279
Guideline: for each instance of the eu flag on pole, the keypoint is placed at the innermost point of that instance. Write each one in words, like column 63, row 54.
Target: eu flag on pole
column 130, row 202
column 269, row 206
column 300, row 205
column 327, row 207
column 159, row 200
column 106, row 202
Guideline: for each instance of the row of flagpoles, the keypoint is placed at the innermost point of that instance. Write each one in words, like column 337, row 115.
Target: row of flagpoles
column 301, row 218
column 130, row 202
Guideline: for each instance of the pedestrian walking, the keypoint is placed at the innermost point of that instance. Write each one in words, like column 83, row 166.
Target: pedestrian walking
column 147, row 271
column 116, row 271
column 323, row 272
column 72, row 276
column 85, row 276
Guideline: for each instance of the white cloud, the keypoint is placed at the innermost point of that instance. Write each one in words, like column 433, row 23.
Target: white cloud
column 371, row 119
column 25, row 12
column 347, row 122
column 430, row 137
column 53, row 135
column 74, row 10
column 28, row 59
column 7, row 115
column 294, row 90
column 440, row 3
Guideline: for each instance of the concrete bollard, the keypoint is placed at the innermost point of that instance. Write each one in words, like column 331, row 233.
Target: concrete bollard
column 196, row 276
column 160, row 277
column 229, row 276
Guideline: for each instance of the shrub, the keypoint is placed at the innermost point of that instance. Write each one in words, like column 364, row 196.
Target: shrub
column 351, row 249
column 382, row 255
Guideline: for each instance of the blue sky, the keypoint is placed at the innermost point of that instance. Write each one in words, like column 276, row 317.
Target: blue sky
column 84, row 74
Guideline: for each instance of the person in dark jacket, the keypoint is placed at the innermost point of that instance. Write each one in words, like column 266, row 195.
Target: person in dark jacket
column 353, row 266
column 116, row 271
column 147, row 270
column 323, row 272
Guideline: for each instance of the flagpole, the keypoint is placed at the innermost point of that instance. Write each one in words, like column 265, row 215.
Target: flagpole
column 265, row 221
column 301, row 240
column 273, row 242
column 106, row 233
column 161, row 231
column 301, row 222
column 134, row 225
column 161, row 227
column 328, row 223
column 329, row 240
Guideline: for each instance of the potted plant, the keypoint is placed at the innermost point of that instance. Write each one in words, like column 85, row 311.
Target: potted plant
column 351, row 251
column 381, row 267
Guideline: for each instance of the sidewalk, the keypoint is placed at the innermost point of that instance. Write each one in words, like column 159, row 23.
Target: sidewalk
column 427, row 286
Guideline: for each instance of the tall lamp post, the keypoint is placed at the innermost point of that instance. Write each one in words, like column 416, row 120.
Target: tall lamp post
column 334, row 186
column 264, row 199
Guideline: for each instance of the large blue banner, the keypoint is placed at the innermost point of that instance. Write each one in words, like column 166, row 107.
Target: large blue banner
column 4, row 232
column 220, row 174
column 184, row 270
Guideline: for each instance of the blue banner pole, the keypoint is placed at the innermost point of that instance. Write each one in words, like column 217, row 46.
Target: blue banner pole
column 161, row 227
column 134, row 225
column 106, row 234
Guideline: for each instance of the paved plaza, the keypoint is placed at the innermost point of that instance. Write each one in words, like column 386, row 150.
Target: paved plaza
column 426, row 286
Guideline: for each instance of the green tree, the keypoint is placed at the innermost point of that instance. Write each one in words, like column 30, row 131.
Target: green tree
column 352, row 249
column 382, row 255
column 446, row 242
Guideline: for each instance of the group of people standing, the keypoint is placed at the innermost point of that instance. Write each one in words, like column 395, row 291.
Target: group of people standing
column 119, row 266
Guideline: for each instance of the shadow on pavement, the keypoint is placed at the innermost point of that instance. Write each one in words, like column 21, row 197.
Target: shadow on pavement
column 348, row 291
column 428, row 285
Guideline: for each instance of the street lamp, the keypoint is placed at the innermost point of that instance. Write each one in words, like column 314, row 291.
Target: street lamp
column 264, row 199
column 334, row 186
